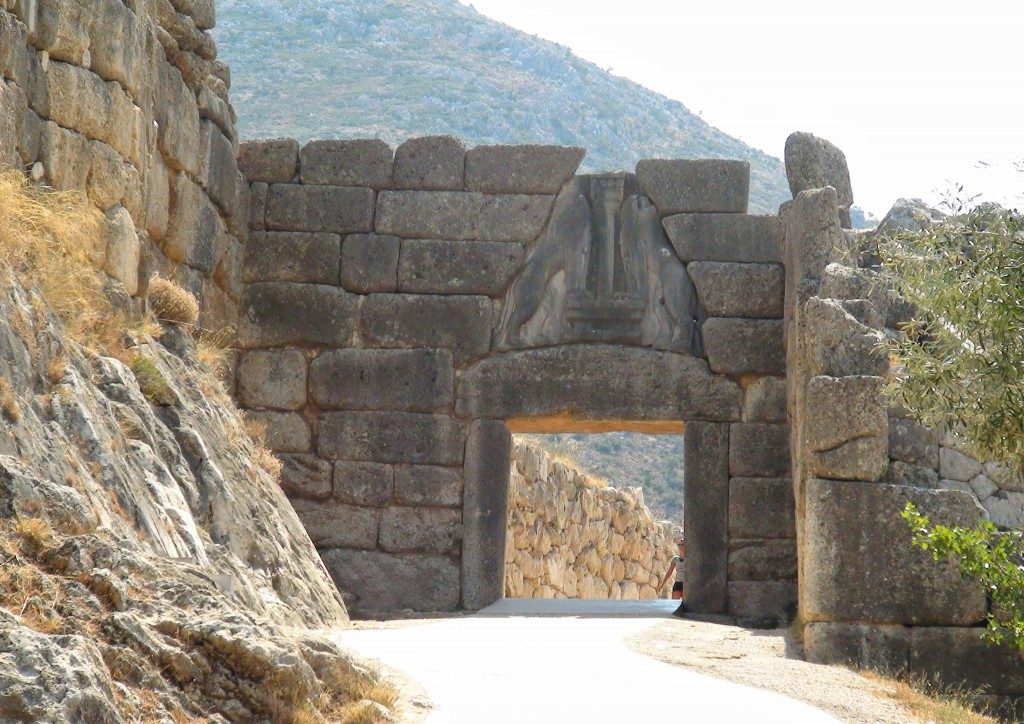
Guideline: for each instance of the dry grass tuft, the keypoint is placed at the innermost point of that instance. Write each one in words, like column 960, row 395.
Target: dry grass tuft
column 262, row 455
column 8, row 401
column 171, row 303
column 929, row 701
column 34, row 533
column 54, row 240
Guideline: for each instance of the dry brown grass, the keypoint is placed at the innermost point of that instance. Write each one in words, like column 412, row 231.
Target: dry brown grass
column 53, row 240
column 930, row 702
column 171, row 303
column 8, row 401
column 35, row 534
column 353, row 701
column 262, row 455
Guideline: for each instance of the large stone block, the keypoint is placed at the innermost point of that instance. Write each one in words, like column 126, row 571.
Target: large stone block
column 761, row 508
column 729, row 289
column 837, row 344
column 335, row 525
column 117, row 46
column 521, row 169
column 292, row 256
column 859, row 565
column 391, row 437
column 177, row 116
column 459, row 215
column 726, row 237
column 881, row 648
column 428, row 485
column 420, row 530
column 911, row 442
column 901, row 473
column 275, row 313
column 380, row 582
column 758, row 449
column 706, row 516
column 764, row 400
column 359, row 162
column 954, row 465
column 335, row 209
column 287, row 432
column 684, row 186
column 485, row 513
column 435, row 266
column 194, row 228
column 363, row 483
column 958, row 657
column 813, row 163
column 123, row 249
column 596, row 382
column 219, row 170
column 14, row 49
column 417, row 380
column 762, row 599
column 430, row 163
column 369, row 263
column 745, row 346
column 65, row 157
column 846, row 427
column 306, row 476
column 273, row 379
column 762, row 560
column 272, row 161
column 459, row 323
column 107, row 182
column 63, row 29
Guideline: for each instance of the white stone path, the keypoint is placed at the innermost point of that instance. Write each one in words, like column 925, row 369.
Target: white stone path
column 549, row 662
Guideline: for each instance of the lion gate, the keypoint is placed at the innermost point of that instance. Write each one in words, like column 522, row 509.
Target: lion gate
column 405, row 312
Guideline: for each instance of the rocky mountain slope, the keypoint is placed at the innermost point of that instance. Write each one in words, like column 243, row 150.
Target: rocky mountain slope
column 400, row 68
column 152, row 569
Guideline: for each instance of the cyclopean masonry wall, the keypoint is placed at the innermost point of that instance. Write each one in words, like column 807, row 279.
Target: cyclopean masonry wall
column 867, row 597
column 127, row 104
column 573, row 536
column 406, row 310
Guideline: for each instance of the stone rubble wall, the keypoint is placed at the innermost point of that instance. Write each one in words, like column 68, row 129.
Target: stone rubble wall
column 128, row 104
column 574, row 536
column 866, row 596
column 381, row 347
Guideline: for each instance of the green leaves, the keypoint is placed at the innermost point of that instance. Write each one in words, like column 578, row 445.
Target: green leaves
column 987, row 556
column 959, row 361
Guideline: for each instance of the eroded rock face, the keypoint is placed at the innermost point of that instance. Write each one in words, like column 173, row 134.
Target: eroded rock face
column 144, row 546
column 814, row 163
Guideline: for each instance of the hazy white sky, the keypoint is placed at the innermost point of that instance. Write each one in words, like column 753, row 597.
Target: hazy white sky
column 918, row 94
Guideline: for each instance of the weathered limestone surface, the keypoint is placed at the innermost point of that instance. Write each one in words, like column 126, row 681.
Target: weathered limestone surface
column 460, row 215
column 459, row 323
column 572, row 536
column 485, row 513
column 596, row 382
column 333, row 209
column 383, row 379
column 360, row 162
column 695, row 186
column 430, row 163
column 728, row 289
column 272, row 161
column 846, row 428
column 391, row 437
column 764, row 400
column 814, row 163
column 273, row 379
column 706, row 516
column 761, row 508
column 745, row 346
column 291, row 256
column 433, row 266
column 521, row 169
column 369, row 263
column 726, row 238
column 758, row 450
column 380, row 581
column 274, row 314
column 865, row 569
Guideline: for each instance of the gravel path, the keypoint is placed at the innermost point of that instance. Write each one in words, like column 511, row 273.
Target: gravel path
column 768, row 660
column 608, row 661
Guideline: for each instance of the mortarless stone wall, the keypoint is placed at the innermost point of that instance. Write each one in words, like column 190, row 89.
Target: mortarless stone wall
column 405, row 309
column 571, row 535
column 867, row 597
column 128, row 104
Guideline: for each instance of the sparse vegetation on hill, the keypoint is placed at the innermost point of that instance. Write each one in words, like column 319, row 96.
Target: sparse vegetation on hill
column 401, row 68
column 652, row 462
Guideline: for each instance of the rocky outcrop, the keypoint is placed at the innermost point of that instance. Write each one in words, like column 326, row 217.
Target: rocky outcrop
column 152, row 568
column 574, row 536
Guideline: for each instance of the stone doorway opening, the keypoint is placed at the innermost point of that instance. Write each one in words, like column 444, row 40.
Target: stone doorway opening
column 593, row 515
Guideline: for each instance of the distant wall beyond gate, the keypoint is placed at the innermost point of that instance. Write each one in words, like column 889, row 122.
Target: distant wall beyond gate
column 405, row 308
